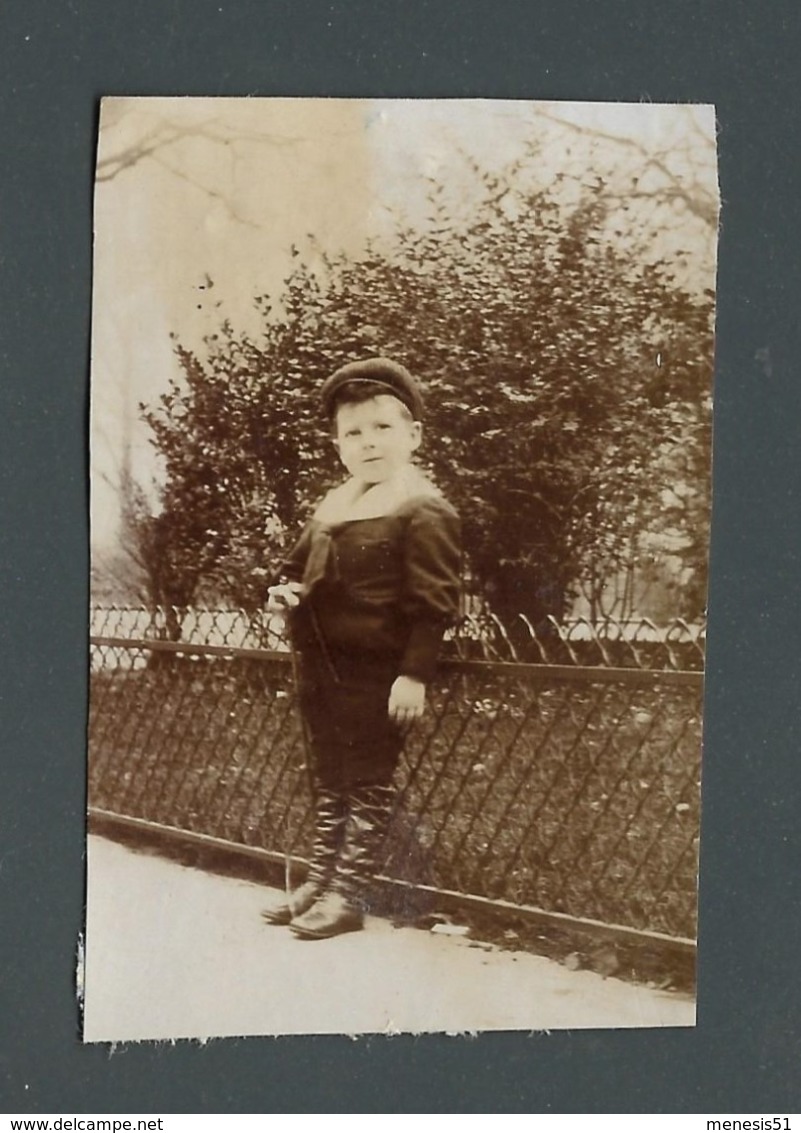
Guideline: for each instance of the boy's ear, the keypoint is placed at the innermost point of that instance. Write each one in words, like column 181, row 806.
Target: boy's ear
column 417, row 433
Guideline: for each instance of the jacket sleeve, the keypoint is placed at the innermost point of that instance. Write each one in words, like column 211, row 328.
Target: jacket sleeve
column 432, row 561
column 294, row 565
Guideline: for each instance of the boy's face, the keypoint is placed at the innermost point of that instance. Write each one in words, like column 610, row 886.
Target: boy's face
column 375, row 438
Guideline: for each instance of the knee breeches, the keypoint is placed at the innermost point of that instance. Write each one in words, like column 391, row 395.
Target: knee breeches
column 344, row 701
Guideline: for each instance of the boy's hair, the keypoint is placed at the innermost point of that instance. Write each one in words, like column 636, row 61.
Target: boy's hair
column 355, row 393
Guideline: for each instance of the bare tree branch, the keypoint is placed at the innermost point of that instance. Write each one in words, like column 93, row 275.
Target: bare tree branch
column 213, row 194
column 697, row 201
column 166, row 134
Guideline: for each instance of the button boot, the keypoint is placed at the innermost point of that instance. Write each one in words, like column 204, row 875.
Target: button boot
column 329, row 828
column 343, row 908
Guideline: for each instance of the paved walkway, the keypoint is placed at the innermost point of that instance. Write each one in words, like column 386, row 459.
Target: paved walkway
column 174, row 952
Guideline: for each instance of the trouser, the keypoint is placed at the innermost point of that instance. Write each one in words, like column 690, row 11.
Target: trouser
column 353, row 753
column 344, row 701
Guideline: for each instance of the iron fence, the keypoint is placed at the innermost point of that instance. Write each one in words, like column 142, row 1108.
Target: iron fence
column 566, row 787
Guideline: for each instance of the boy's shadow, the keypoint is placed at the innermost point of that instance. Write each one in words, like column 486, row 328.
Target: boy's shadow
column 405, row 858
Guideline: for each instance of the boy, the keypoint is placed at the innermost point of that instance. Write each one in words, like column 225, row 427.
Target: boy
column 371, row 586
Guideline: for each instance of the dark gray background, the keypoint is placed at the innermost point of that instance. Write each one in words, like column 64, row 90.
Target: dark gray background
column 56, row 60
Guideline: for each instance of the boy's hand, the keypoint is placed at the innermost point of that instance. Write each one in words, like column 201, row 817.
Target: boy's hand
column 284, row 597
column 407, row 699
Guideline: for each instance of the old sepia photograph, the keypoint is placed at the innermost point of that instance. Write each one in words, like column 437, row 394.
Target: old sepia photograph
column 401, row 420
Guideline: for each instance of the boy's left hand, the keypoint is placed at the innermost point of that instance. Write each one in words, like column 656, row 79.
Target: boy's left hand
column 407, row 699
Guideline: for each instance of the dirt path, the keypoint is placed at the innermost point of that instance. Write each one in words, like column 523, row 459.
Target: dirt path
column 174, row 952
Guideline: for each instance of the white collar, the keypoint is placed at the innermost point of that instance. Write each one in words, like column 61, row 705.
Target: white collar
column 353, row 500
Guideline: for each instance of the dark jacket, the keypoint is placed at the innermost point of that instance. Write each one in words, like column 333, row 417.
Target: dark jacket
column 387, row 585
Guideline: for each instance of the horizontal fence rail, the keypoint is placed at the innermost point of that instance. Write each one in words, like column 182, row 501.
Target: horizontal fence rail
column 566, row 786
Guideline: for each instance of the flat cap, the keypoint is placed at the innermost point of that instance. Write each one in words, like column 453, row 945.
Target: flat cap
column 378, row 371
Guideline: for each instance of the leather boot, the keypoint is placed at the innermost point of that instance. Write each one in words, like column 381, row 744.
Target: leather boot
column 342, row 909
column 329, row 827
